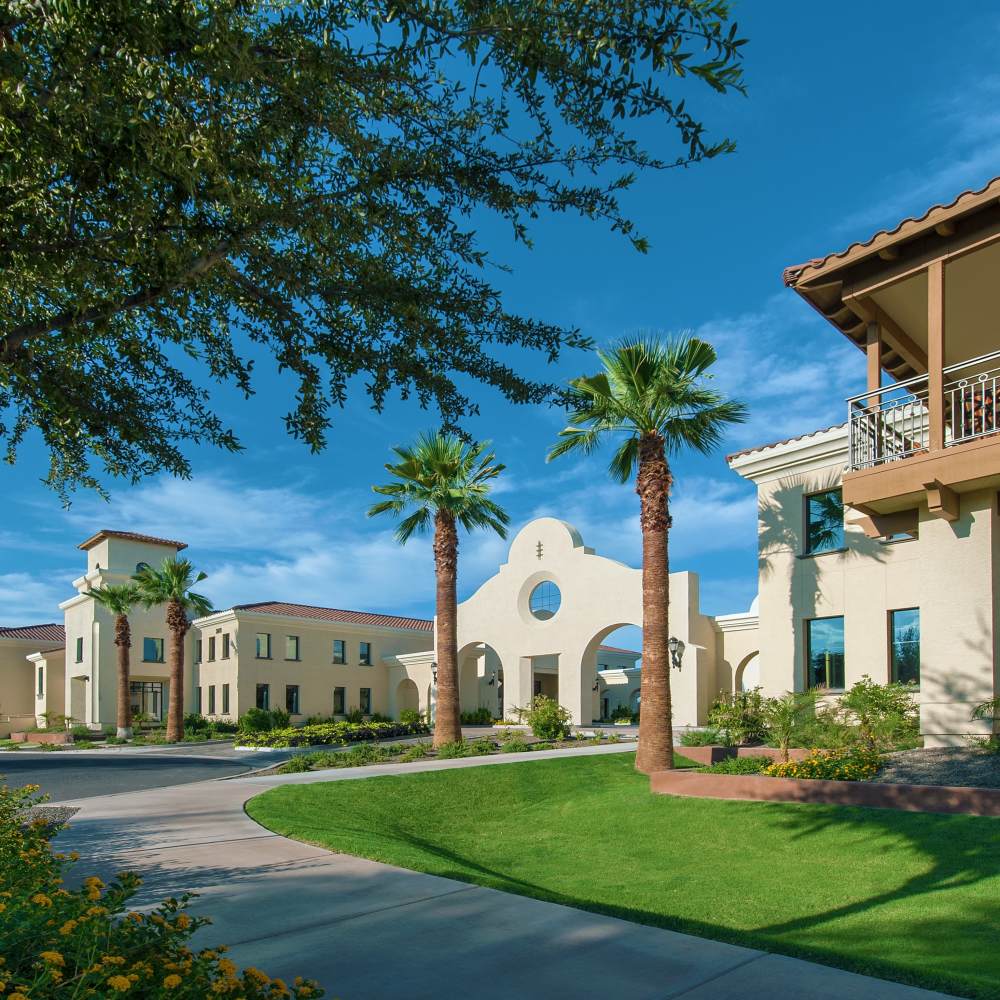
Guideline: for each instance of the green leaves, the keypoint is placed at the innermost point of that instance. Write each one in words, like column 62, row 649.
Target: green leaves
column 648, row 388
column 184, row 183
column 442, row 473
column 171, row 584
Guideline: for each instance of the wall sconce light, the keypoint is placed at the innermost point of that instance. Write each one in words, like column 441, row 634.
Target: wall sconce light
column 434, row 672
column 493, row 679
column 676, row 647
column 596, row 686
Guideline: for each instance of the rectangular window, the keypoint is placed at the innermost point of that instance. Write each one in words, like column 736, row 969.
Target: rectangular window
column 825, row 521
column 197, row 700
column 40, row 690
column 292, row 699
column 211, row 648
column 264, row 696
column 225, row 646
column 365, row 654
column 366, row 701
column 825, row 653
column 904, row 645
column 263, row 645
column 602, row 666
column 225, row 699
column 339, row 651
column 152, row 650
column 79, row 649
column 339, row 700
column 211, row 699
column 291, row 647
column 197, row 651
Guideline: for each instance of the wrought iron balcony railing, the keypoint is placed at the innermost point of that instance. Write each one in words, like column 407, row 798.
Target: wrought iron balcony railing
column 893, row 423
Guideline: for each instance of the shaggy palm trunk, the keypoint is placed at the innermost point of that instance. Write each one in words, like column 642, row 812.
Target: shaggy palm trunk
column 123, row 640
column 177, row 622
column 655, row 751
column 447, row 722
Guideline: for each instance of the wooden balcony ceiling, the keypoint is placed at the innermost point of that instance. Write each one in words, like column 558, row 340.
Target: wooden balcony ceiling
column 884, row 280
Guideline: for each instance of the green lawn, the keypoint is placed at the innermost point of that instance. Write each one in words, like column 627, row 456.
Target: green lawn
column 899, row 895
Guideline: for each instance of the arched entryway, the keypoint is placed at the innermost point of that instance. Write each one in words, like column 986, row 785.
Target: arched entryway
column 610, row 670
column 480, row 679
column 407, row 696
column 748, row 673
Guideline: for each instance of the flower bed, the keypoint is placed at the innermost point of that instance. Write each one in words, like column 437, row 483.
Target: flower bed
column 332, row 734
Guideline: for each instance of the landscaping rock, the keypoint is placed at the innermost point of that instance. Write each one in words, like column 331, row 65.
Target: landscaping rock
column 959, row 766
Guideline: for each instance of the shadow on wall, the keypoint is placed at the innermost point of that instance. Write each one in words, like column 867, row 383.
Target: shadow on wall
column 781, row 530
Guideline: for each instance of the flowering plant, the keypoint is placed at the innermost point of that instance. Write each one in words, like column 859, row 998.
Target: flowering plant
column 836, row 765
column 59, row 943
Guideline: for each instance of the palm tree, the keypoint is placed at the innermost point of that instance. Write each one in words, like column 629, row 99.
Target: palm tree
column 119, row 599
column 444, row 481
column 654, row 394
column 171, row 585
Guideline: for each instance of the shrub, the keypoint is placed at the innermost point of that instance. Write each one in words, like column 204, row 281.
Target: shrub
column 59, row 943
column 515, row 744
column 701, row 737
column 332, row 734
column 849, row 764
column 262, row 720
column 410, row 716
column 81, row 733
column 413, row 753
column 788, row 717
column 622, row 713
column 988, row 711
column 739, row 765
column 739, row 717
column 881, row 716
column 296, row 764
column 449, row 751
column 355, row 715
column 480, row 717
column 547, row 718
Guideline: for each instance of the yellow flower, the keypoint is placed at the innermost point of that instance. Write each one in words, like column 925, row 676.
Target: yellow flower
column 183, row 922
column 17, row 996
column 113, row 959
column 52, row 957
column 41, row 899
column 226, row 967
column 255, row 975
column 68, row 927
column 120, row 983
column 171, row 981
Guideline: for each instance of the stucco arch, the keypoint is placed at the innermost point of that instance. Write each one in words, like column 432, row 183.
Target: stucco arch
column 747, row 672
column 407, row 696
column 598, row 595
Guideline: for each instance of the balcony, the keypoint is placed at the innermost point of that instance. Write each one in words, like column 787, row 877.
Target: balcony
column 893, row 459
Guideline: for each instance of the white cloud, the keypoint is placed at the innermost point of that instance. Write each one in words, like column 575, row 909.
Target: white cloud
column 28, row 600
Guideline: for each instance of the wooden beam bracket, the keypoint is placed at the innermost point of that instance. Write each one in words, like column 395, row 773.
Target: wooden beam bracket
column 942, row 501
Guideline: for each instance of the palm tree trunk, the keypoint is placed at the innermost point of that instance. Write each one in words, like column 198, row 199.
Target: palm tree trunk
column 447, row 723
column 655, row 751
column 177, row 622
column 123, row 640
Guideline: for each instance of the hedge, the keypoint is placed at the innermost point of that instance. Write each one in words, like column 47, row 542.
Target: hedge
column 333, row 734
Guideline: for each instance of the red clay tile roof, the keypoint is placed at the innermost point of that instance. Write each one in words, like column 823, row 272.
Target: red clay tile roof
column 776, row 444
column 791, row 274
column 42, row 633
column 336, row 615
column 618, row 649
column 132, row 536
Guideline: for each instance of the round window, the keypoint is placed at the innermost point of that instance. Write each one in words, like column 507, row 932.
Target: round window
column 545, row 600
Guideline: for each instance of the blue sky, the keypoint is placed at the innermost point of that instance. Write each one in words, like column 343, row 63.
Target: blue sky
column 853, row 120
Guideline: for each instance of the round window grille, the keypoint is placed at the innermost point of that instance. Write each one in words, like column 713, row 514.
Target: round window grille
column 545, row 600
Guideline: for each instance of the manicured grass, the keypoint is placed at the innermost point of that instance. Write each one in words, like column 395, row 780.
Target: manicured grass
column 905, row 896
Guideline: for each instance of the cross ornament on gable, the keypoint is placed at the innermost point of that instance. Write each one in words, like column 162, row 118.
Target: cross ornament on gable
column 538, row 550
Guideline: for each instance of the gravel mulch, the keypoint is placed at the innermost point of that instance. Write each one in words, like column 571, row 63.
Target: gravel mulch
column 951, row 766
column 53, row 815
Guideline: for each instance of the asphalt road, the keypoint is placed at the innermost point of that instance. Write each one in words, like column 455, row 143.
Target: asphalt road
column 73, row 776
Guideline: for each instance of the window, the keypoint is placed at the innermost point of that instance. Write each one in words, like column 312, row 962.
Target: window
column 825, row 653
column 602, row 666
column 79, row 649
column 263, row 645
column 291, row 647
column 339, row 651
column 544, row 601
column 225, row 646
column 225, row 699
column 197, row 651
column 211, row 648
column 40, row 690
column 825, row 521
column 211, row 699
column 264, row 696
column 366, row 701
column 197, row 699
column 904, row 646
column 152, row 650
column 365, row 654
column 338, row 701
column 292, row 699
column 140, row 566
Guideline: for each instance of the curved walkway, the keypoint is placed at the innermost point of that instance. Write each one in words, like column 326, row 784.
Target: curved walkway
column 369, row 931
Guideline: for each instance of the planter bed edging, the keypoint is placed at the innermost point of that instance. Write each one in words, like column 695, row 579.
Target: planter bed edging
column 873, row 794
column 713, row 753
column 56, row 738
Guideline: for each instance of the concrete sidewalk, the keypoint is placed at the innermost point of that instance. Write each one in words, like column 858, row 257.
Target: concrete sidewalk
column 369, row 931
